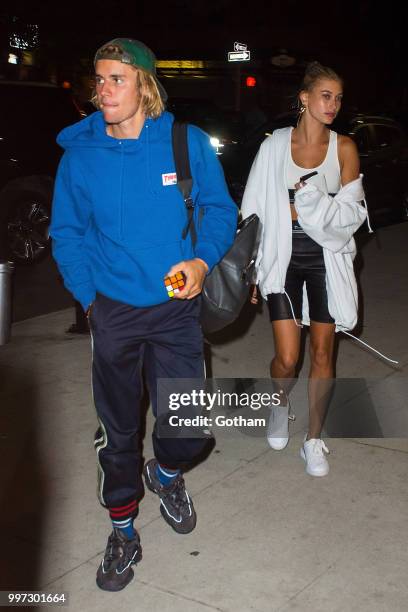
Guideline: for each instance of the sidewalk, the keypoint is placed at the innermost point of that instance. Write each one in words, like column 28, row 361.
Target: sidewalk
column 268, row 537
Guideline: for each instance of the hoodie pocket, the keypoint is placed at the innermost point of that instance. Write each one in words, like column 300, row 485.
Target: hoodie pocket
column 143, row 270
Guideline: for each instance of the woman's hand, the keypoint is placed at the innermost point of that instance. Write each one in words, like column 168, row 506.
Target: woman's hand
column 254, row 295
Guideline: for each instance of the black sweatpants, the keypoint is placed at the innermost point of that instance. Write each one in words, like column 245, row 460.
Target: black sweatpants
column 167, row 341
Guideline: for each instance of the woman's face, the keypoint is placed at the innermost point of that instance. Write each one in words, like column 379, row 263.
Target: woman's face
column 323, row 101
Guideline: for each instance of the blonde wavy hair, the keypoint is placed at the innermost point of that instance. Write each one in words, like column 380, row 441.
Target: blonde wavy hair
column 152, row 103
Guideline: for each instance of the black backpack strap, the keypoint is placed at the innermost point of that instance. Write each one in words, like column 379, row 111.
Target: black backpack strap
column 183, row 171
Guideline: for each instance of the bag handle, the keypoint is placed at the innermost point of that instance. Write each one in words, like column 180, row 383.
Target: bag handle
column 183, row 171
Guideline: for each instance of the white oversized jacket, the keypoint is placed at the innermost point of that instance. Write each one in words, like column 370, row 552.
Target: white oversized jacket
column 330, row 221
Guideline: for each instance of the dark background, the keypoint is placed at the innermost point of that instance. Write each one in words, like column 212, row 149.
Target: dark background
column 365, row 41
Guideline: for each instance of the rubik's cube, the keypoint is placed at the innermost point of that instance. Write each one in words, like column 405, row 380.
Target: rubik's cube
column 174, row 284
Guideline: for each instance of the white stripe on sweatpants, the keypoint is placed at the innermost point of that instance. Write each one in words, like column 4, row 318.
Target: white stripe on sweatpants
column 101, row 442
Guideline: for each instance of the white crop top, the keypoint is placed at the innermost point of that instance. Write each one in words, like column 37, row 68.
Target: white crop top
column 328, row 178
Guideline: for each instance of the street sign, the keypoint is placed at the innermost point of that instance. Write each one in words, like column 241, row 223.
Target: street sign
column 240, row 46
column 239, row 56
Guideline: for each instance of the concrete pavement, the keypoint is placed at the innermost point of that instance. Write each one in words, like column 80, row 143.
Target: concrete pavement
column 268, row 537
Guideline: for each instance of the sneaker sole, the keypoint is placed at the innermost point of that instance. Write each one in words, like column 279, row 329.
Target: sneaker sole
column 277, row 447
column 303, row 455
column 138, row 558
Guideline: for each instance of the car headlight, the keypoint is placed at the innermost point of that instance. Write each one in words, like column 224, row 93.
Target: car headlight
column 217, row 144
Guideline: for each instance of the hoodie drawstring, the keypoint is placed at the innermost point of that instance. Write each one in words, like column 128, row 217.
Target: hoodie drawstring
column 370, row 229
column 291, row 307
column 345, row 332
column 368, row 346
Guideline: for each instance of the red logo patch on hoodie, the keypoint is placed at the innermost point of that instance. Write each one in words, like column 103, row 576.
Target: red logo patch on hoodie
column 169, row 179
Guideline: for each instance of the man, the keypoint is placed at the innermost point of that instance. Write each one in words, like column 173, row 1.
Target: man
column 117, row 225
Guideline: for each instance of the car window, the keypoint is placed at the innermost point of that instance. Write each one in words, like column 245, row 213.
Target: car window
column 36, row 109
column 195, row 111
column 385, row 136
column 362, row 139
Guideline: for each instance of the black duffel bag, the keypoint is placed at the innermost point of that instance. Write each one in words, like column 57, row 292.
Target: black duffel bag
column 226, row 288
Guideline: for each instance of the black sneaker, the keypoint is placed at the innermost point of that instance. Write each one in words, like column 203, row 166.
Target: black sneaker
column 175, row 504
column 115, row 571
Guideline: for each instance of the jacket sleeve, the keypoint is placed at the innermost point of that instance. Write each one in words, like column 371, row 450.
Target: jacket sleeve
column 330, row 221
column 216, row 222
column 254, row 198
column 71, row 216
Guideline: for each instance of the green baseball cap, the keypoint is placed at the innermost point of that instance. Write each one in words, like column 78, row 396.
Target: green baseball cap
column 134, row 53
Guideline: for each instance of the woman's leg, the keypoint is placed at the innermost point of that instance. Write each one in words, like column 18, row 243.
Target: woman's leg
column 287, row 346
column 321, row 374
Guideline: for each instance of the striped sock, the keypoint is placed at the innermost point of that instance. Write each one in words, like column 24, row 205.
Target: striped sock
column 122, row 517
column 126, row 527
column 165, row 475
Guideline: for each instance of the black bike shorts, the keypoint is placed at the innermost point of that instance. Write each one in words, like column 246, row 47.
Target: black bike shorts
column 306, row 266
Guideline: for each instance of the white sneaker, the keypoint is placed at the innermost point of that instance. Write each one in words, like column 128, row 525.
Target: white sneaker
column 312, row 452
column 278, row 427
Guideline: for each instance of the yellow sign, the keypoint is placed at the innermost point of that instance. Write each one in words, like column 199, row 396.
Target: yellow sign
column 183, row 64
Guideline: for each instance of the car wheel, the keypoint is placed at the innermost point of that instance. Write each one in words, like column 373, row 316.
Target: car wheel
column 28, row 218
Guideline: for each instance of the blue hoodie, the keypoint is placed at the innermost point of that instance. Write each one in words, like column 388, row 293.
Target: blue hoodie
column 118, row 216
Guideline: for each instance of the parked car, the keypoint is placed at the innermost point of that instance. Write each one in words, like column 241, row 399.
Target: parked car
column 31, row 116
column 381, row 142
column 226, row 130
column 222, row 125
column 383, row 150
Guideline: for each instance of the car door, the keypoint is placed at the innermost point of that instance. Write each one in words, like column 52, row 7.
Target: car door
column 363, row 137
column 387, row 139
column 379, row 144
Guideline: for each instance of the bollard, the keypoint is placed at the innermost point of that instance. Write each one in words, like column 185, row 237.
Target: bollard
column 6, row 273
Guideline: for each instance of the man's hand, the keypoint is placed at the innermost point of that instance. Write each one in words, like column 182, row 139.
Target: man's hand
column 195, row 271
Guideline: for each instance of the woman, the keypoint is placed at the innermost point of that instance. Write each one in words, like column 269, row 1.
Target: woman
column 305, row 260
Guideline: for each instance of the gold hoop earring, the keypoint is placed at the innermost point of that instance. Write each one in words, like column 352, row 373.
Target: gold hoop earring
column 300, row 113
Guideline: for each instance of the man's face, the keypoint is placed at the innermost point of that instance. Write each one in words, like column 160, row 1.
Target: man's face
column 117, row 92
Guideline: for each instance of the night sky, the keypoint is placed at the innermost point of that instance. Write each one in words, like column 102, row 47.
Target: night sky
column 208, row 26
column 365, row 40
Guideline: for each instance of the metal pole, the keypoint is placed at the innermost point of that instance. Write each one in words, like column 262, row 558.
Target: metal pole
column 6, row 273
